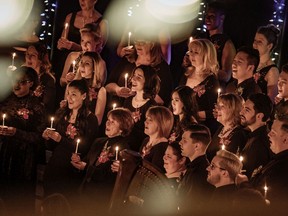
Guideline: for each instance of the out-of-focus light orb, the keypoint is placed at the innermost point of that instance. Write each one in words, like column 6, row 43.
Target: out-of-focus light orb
column 173, row 11
column 178, row 17
column 13, row 14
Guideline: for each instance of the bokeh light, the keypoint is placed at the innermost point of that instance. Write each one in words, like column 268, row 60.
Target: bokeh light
column 13, row 14
column 177, row 17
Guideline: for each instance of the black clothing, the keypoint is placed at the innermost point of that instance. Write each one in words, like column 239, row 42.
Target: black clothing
column 257, row 150
column 60, row 176
column 244, row 89
column 235, row 141
column 194, row 191
column 262, row 83
column 137, row 135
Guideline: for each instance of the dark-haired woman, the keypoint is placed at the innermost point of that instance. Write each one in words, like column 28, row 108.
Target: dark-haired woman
column 265, row 41
column 145, row 83
column 71, row 123
column 20, row 143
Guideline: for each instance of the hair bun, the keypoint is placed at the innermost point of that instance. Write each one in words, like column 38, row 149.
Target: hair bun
column 274, row 29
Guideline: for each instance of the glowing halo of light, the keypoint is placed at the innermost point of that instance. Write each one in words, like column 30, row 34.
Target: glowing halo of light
column 13, row 14
column 173, row 11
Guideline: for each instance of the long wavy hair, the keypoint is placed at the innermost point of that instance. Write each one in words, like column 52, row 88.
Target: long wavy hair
column 207, row 49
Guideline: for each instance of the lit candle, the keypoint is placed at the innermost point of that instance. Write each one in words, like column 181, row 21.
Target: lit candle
column 223, row 147
column 241, row 158
column 13, row 57
column 52, row 119
column 219, row 91
column 66, row 30
column 3, row 123
column 116, row 152
column 190, row 39
column 265, row 191
column 129, row 39
column 114, row 106
column 77, row 145
column 126, row 77
column 74, row 64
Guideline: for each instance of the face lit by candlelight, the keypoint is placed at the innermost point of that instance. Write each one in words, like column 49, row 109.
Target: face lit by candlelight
column 278, row 137
column 88, row 42
column 86, row 67
column 112, row 127
column 195, row 56
column 247, row 114
column 261, row 44
column 32, row 58
column 223, row 113
column 87, row 4
column 214, row 172
column 188, row 145
column 151, row 126
column 75, row 98
column 138, row 80
column 22, row 87
column 177, row 104
column 143, row 47
column 172, row 163
column 283, row 85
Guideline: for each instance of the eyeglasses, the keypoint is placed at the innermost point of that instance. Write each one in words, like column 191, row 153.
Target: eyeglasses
column 213, row 166
column 23, row 82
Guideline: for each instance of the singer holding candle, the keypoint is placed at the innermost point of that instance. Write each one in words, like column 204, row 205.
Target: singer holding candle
column 73, row 122
column 21, row 140
column 97, row 185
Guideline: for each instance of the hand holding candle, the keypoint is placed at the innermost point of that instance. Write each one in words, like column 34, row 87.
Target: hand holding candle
column 77, row 146
column 116, row 152
column 126, row 80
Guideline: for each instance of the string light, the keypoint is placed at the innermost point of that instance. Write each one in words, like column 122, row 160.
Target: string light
column 47, row 19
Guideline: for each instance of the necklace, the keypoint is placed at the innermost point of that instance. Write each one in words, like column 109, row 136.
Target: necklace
column 263, row 65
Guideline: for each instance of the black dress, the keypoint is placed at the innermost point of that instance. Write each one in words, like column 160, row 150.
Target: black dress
column 137, row 135
column 19, row 154
column 60, row 176
column 98, row 183
column 262, row 83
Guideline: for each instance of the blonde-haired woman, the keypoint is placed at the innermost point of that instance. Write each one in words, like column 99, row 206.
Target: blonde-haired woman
column 202, row 78
column 158, row 126
column 230, row 135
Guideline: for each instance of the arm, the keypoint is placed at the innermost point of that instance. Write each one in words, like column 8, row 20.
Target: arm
column 64, row 43
column 100, row 105
column 72, row 56
column 272, row 82
column 228, row 55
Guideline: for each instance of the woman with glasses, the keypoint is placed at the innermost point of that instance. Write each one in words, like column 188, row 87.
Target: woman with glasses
column 23, row 120
column 147, row 52
column 37, row 57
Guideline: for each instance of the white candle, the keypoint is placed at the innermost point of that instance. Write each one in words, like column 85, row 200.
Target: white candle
column 3, row 123
column 190, row 39
column 126, row 77
column 74, row 63
column 114, row 106
column 116, row 152
column 265, row 191
column 52, row 119
column 223, row 147
column 66, row 30
column 77, row 145
column 13, row 57
column 241, row 158
column 219, row 91
column 129, row 39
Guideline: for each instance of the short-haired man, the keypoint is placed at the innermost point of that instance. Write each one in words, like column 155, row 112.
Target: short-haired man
column 272, row 179
column 222, row 172
column 244, row 66
column 194, row 190
column 254, row 115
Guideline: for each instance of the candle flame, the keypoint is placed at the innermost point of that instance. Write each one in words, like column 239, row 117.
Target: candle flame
column 241, row 158
column 129, row 34
column 52, row 118
column 4, row 115
column 66, row 25
column 74, row 62
column 265, row 188
column 219, row 90
column 223, row 147
column 116, row 148
column 78, row 141
column 126, row 75
column 190, row 39
column 13, row 55
column 114, row 105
